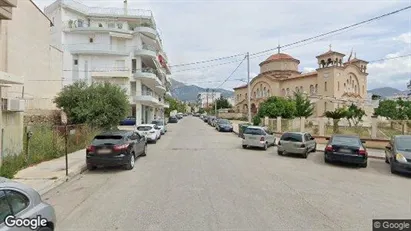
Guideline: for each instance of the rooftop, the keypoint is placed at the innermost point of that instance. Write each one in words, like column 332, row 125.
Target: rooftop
column 279, row 57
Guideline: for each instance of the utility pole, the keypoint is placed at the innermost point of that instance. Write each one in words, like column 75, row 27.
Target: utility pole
column 207, row 97
column 248, row 88
column 215, row 105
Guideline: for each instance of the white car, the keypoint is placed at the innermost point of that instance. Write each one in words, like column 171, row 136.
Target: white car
column 151, row 131
column 160, row 123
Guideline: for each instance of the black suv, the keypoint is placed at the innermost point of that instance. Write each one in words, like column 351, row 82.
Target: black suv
column 116, row 148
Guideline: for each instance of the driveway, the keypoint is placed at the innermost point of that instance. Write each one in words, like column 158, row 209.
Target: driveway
column 195, row 178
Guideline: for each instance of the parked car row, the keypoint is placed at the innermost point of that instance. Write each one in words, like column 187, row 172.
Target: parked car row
column 221, row 125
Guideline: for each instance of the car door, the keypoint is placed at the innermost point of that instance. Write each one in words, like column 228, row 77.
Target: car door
column 312, row 141
column 389, row 150
column 131, row 141
column 19, row 205
column 307, row 141
column 139, row 143
column 269, row 136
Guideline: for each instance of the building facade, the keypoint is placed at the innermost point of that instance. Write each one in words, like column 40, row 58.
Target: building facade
column 30, row 69
column 205, row 99
column 117, row 45
column 334, row 83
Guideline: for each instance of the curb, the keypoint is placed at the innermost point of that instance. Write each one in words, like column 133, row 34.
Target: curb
column 372, row 157
column 62, row 180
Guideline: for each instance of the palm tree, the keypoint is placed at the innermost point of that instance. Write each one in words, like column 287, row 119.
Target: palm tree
column 336, row 115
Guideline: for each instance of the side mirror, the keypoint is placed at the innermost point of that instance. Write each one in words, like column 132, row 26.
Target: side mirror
column 363, row 141
column 327, row 138
column 388, row 147
column 312, row 138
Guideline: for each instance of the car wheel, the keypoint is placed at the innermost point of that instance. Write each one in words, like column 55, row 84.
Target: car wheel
column 144, row 151
column 91, row 167
column 131, row 162
column 45, row 229
column 305, row 154
column 155, row 141
column 244, row 146
column 392, row 168
column 279, row 153
column 315, row 148
column 364, row 165
column 386, row 160
column 265, row 146
column 326, row 160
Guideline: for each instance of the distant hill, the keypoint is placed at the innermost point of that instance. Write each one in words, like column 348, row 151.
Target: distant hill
column 385, row 91
column 185, row 92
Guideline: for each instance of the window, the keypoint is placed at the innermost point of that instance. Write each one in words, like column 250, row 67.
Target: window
column 91, row 40
column 363, row 90
column 100, row 25
column 107, row 139
column 316, row 88
column 5, row 209
column 120, row 25
column 325, row 86
column 80, row 23
column 312, row 89
column 17, row 201
column 292, row 137
column 325, row 106
column 76, row 62
column 338, row 86
column 111, row 25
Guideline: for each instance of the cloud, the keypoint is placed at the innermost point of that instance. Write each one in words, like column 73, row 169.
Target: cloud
column 201, row 30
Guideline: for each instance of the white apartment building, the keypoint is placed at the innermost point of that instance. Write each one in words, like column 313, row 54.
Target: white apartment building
column 119, row 45
column 30, row 69
column 204, row 99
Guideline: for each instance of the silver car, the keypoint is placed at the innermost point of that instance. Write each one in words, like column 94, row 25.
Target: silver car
column 20, row 204
column 255, row 136
column 296, row 143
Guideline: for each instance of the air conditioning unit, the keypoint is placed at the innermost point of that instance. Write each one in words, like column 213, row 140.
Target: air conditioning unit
column 10, row 104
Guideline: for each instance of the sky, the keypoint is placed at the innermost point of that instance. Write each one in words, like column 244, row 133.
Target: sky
column 195, row 30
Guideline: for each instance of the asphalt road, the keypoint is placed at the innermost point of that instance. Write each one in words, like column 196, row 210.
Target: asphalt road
column 195, row 178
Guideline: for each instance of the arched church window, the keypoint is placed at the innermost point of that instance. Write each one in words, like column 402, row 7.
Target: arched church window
column 316, row 88
column 312, row 89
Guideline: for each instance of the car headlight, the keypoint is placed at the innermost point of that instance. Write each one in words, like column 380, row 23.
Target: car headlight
column 400, row 158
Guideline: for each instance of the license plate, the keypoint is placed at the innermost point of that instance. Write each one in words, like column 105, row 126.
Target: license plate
column 104, row 151
column 345, row 150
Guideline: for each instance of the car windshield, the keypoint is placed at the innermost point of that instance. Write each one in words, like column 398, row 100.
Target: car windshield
column 107, row 139
column 293, row 137
column 253, row 131
column 144, row 128
column 403, row 144
column 157, row 122
column 224, row 122
column 344, row 140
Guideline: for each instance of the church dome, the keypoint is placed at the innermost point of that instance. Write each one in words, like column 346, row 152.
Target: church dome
column 280, row 57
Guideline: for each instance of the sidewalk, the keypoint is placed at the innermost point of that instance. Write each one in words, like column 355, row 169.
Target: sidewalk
column 372, row 153
column 49, row 174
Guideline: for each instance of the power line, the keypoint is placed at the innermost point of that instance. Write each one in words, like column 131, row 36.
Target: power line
column 232, row 73
column 337, row 30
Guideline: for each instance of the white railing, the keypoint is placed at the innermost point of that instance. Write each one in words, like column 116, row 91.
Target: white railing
column 148, row 47
column 108, row 69
column 95, row 47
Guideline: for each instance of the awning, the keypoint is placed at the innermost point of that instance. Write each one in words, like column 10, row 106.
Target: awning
column 120, row 35
column 7, row 78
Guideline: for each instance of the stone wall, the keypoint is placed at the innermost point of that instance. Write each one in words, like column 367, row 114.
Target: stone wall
column 52, row 117
column 232, row 115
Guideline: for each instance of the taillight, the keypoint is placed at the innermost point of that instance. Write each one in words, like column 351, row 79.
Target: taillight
column 262, row 138
column 91, row 148
column 120, row 147
column 362, row 152
column 329, row 148
column 302, row 146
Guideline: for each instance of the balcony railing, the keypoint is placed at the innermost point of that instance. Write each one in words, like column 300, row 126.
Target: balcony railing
column 150, row 48
column 108, row 69
column 72, row 24
column 93, row 47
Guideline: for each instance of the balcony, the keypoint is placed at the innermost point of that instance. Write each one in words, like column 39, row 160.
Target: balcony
column 168, row 93
column 148, row 76
column 113, row 72
column 146, row 30
column 100, row 49
column 146, row 50
column 6, row 79
column 8, row 3
column 161, row 89
column 147, row 98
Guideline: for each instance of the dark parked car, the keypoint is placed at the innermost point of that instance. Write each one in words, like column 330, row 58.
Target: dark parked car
column 223, row 125
column 116, row 148
column 347, row 149
column 129, row 121
column 398, row 154
column 173, row 119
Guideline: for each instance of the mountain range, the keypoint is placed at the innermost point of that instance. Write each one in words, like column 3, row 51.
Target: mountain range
column 189, row 93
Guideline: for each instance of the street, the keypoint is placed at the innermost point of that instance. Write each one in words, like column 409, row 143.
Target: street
column 195, row 178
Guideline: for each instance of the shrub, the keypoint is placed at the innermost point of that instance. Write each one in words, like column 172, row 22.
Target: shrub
column 256, row 120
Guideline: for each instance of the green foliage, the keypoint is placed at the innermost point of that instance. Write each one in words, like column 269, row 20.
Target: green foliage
column 303, row 106
column 336, row 115
column 256, row 120
column 98, row 104
column 354, row 114
column 394, row 109
column 277, row 106
column 201, row 110
column 375, row 97
column 174, row 105
column 47, row 143
column 222, row 103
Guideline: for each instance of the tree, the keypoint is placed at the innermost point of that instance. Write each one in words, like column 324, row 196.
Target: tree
column 277, row 106
column 389, row 109
column 303, row 106
column 99, row 104
column 222, row 103
column 375, row 97
column 336, row 115
column 354, row 115
column 174, row 105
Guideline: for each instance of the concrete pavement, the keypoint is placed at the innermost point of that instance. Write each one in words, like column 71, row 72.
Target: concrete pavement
column 196, row 178
column 50, row 174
